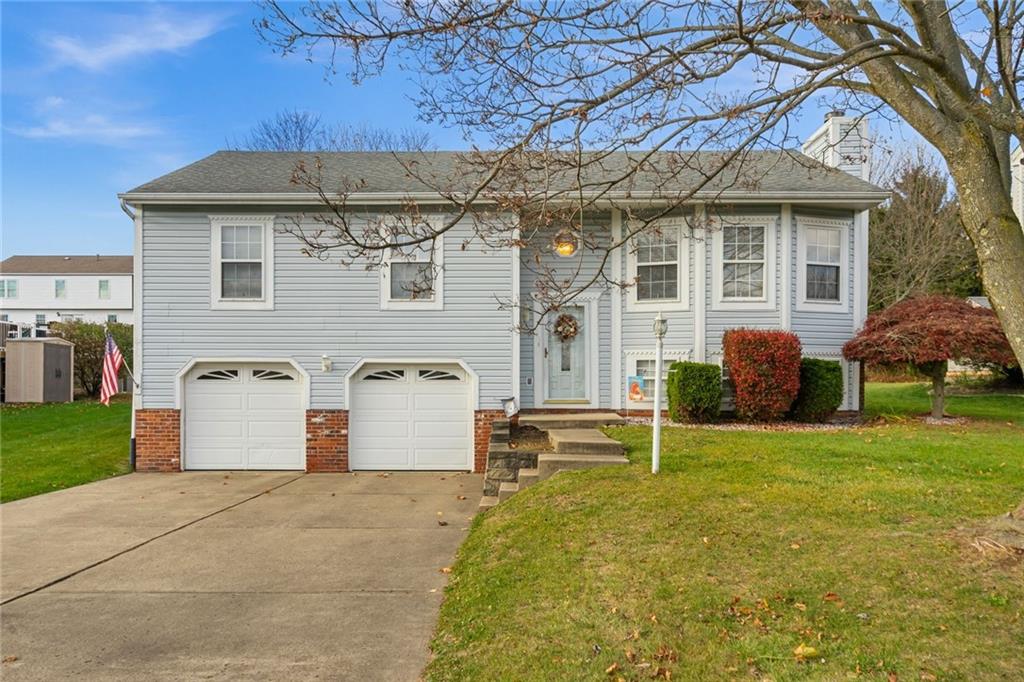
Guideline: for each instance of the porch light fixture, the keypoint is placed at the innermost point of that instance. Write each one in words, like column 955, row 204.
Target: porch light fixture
column 660, row 329
column 566, row 243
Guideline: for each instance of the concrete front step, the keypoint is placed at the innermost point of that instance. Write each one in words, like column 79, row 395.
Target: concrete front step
column 507, row 490
column 486, row 502
column 528, row 477
column 581, row 420
column 583, row 442
column 549, row 464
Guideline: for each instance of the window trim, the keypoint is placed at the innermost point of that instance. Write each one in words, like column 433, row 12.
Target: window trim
column 217, row 302
column 633, row 357
column 99, row 289
column 436, row 302
column 682, row 301
column 60, row 293
column 5, row 290
column 815, row 305
column 766, row 302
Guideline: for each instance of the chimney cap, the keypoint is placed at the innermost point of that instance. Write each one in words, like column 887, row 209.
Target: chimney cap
column 835, row 113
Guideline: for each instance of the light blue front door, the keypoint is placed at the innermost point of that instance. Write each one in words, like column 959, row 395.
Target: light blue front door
column 567, row 360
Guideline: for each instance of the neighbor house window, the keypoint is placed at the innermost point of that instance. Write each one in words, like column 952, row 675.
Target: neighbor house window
column 242, row 262
column 657, row 262
column 413, row 276
column 821, row 258
column 104, row 289
column 40, row 320
column 112, row 318
column 8, row 288
column 60, row 288
column 743, row 262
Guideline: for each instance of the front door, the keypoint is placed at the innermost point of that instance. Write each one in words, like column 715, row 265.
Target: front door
column 566, row 357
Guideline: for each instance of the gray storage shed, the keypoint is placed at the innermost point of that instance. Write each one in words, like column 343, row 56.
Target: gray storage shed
column 39, row 371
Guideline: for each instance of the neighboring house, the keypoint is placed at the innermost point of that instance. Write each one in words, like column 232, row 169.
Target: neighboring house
column 38, row 290
column 253, row 355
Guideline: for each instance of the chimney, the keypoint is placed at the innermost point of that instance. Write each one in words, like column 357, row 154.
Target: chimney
column 841, row 142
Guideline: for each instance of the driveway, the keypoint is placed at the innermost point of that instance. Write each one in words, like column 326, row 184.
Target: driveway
column 230, row 575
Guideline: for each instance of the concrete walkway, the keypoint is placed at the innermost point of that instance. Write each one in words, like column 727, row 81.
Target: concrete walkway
column 230, row 576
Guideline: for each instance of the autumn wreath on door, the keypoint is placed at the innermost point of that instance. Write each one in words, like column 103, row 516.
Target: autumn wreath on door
column 566, row 327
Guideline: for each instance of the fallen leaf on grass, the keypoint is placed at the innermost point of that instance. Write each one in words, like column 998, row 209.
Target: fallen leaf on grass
column 442, row 523
column 610, row 670
column 833, row 597
column 654, row 618
column 446, row 570
column 804, row 652
column 666, row 654
column 10, row 659
column 893, row 677
column 801, row 607
column 630, row 655
column 663, row 673
column 927, row 676
column 794, row 546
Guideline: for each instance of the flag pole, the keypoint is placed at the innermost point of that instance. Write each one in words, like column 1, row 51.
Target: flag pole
column 135, row 383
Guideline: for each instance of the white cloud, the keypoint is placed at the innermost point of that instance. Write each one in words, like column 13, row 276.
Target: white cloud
column 156, row 31
column 96, row 128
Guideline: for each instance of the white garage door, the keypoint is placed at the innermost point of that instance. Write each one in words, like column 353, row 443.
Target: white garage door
column 411, row 417
column 244, row 417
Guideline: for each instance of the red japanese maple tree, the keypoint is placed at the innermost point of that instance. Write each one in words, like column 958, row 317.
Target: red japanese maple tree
column 928, row 331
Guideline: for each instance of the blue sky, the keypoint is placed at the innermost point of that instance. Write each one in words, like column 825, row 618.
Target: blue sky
column 101, row 97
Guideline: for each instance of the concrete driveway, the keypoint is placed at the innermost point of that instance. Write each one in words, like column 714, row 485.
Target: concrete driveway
column 230, row 576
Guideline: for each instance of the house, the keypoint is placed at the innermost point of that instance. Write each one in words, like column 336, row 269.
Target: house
column 251, row 354
column 37, row 290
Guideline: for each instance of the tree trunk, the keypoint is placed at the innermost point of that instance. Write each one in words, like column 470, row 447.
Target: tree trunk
column 993, row 227
column 939, row 390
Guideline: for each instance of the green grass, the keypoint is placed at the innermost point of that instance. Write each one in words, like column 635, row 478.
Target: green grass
column 52, row 446
column 899, row 401
column 719, row 567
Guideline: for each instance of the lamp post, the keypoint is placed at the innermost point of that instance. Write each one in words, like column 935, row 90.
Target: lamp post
column 660, row 329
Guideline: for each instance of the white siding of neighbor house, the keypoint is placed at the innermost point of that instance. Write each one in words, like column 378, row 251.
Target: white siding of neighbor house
column 320, row 308
column 36, row 296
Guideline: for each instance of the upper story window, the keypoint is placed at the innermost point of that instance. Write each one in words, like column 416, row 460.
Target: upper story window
column 40, row 319
column 242, row 262
column 104, row 289
column 658, row 264
column 60, row 288
column 8, row 288
column 822, row 247
column 412, row 277
column 743, row 263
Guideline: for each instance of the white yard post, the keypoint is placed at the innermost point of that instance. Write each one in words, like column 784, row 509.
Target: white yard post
column 660, row 329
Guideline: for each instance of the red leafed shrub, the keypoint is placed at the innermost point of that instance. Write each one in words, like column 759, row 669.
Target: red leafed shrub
column 765, row 369
column 928, row 331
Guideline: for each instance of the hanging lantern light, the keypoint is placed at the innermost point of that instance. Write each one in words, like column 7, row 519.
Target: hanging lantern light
column 566, row 243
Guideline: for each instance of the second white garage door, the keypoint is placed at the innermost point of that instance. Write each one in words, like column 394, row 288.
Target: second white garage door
column 411, row 417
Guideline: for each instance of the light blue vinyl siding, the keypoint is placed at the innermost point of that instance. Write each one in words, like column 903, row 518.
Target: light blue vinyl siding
column 320, row 308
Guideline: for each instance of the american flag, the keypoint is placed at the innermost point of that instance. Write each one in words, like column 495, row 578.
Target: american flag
column 112, row 361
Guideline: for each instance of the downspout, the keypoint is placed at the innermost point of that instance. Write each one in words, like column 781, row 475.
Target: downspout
column 131, row 443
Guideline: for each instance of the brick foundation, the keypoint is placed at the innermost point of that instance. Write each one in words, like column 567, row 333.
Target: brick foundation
column 482, row 420
column 326, row 441
column 158, row 440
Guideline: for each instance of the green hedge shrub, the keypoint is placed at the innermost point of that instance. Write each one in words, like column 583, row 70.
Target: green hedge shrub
column 821, row 390
column 694, row 391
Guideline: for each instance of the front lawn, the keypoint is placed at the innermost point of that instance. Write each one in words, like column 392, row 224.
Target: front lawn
column 851, row 547
column 52, row 446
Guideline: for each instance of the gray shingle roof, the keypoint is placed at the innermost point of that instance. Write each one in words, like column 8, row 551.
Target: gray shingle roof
column 235, row 172
column 67, row 265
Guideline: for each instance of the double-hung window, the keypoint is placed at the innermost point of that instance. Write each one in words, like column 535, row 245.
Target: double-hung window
column 743, row 268
column 40, row 319
column 821, row 263
column 8, row 288
column 658, row 261
column 60, row 288
column 412, row 277
column 104, row 289
column 242, row 250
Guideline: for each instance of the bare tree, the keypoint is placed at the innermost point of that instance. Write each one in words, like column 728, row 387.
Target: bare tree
column 918, row 245
column 302, row 131
column 545, row 81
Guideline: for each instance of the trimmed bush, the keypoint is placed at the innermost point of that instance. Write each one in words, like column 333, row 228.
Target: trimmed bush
column 694, row 391
column 821, row 390
column 764, row 366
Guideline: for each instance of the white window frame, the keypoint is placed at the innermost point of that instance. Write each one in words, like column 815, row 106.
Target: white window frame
column 112, row 318
column 99, row 289
column 218, row 302
column 843, row 227
column 40, row 320
column 765, row 302
column 60, row 292
column 667, row 226
column 435, row 302
column 633, row 357
column 5, row 291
